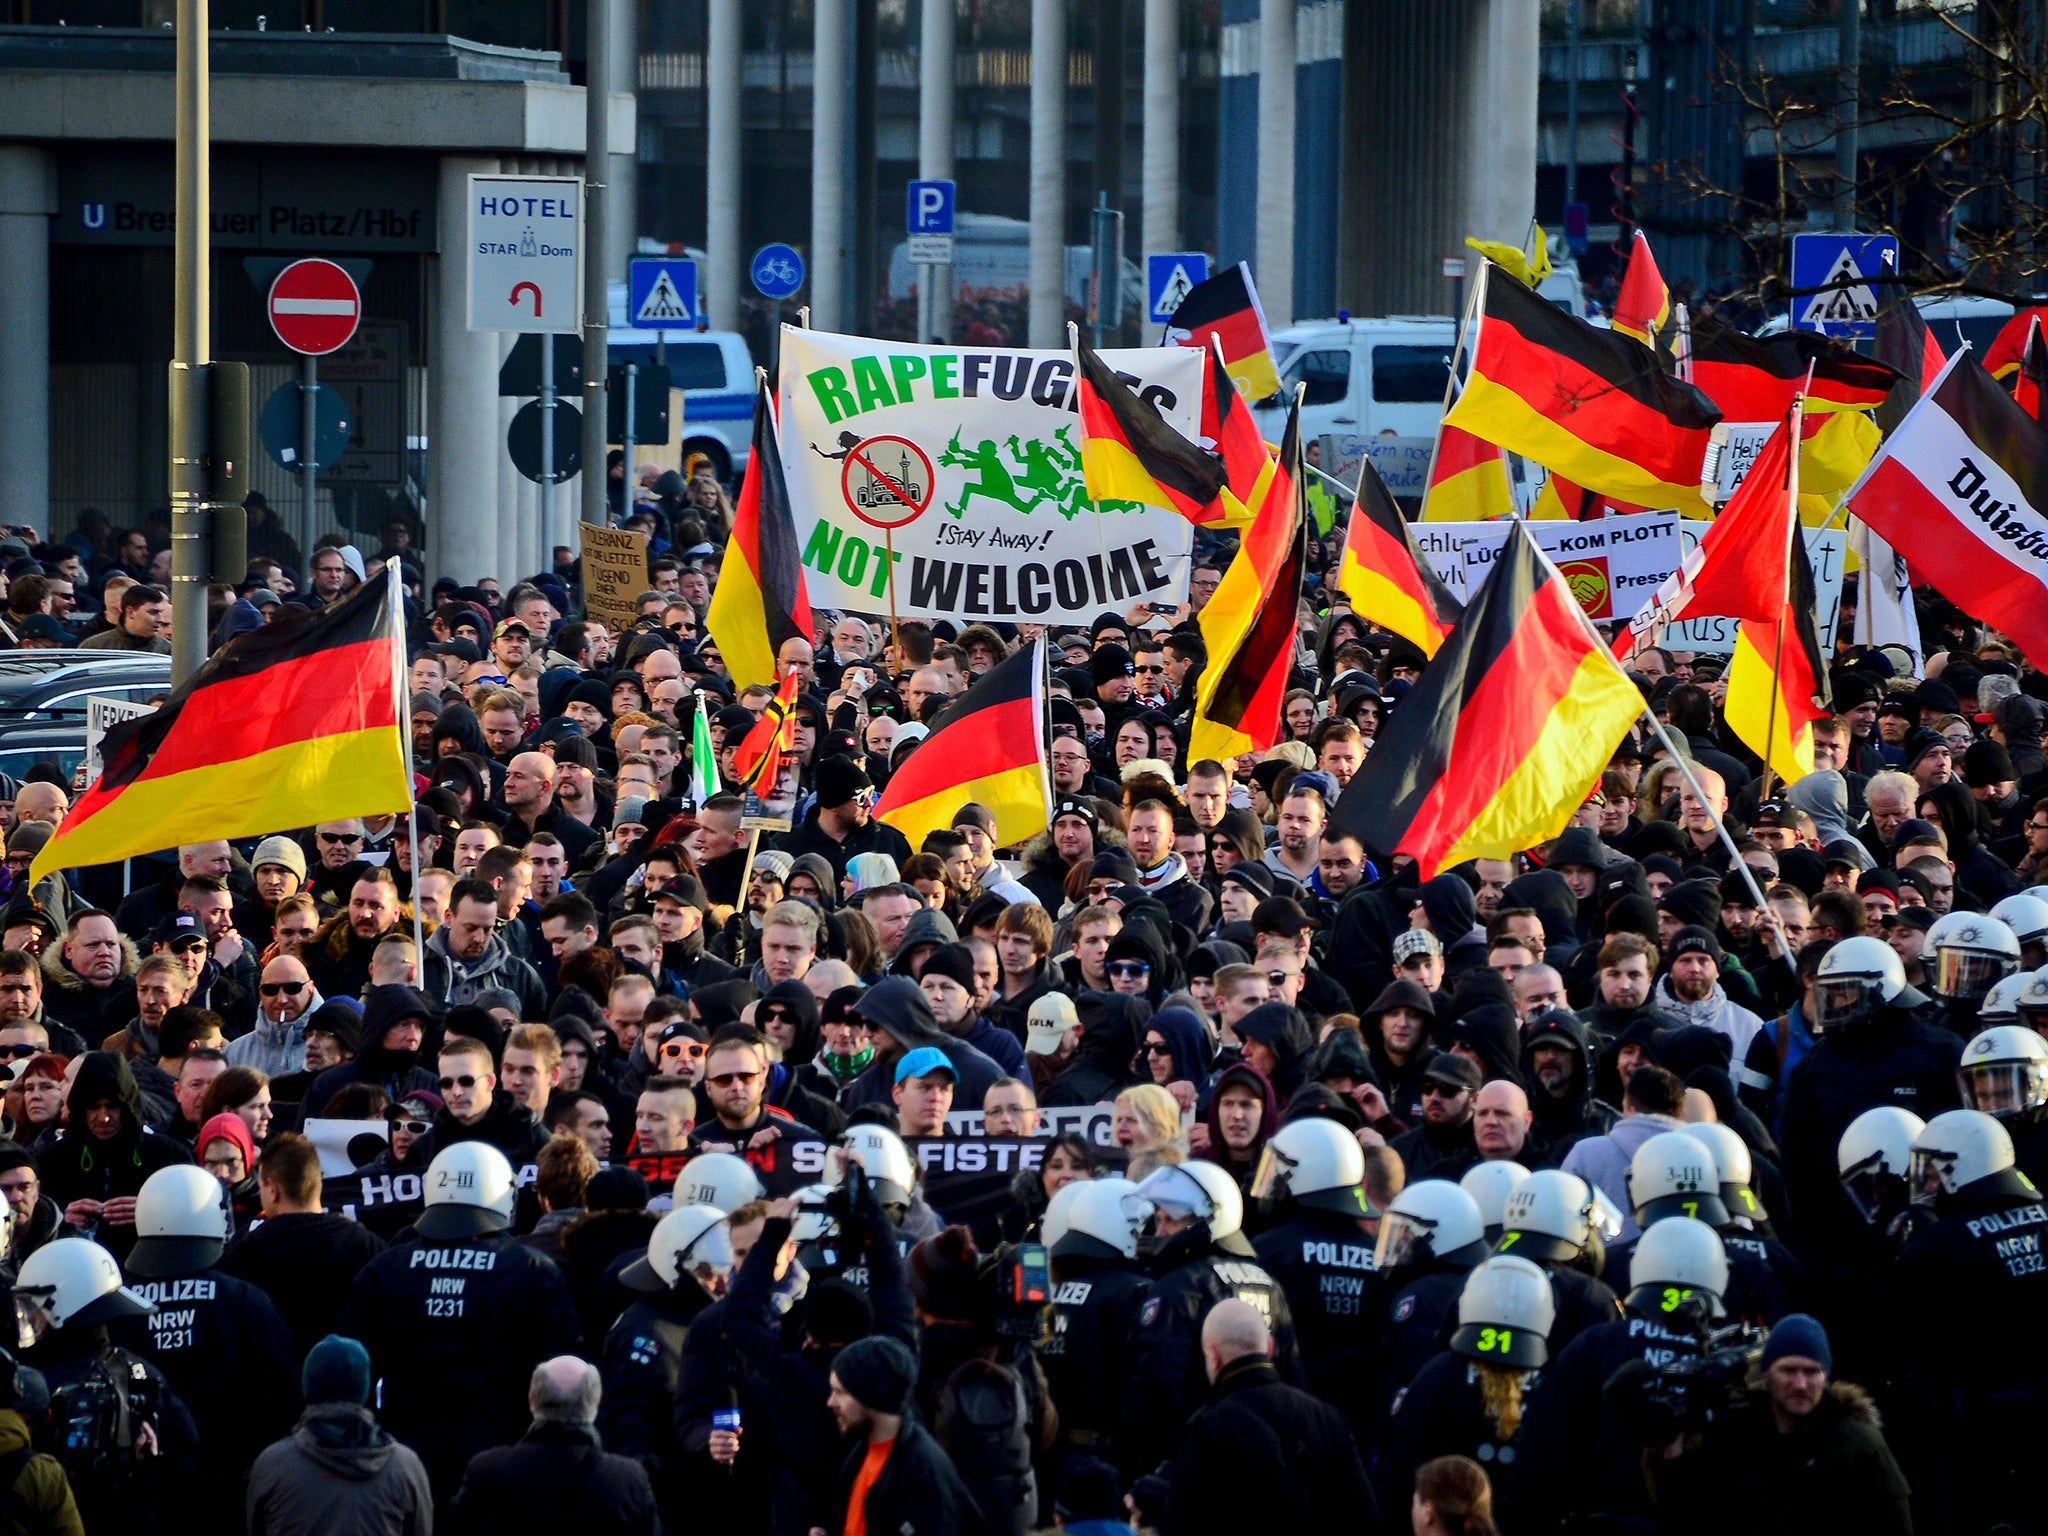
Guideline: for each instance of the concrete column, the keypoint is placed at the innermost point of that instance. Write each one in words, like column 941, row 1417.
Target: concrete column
column 935, row 100
column 1500, row 120
column 724, row 251
column 1160, row 222
column 28, row 201
column 1047, row 324
column 465, row 447
column 622, row 183
column 1273, row 267
column 831, row 127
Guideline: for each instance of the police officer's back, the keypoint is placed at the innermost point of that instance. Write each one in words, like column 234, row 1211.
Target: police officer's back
column 1429, row 1240
column 1310, row 1177
column 1098, row 1286
column 457, row 1316
column 1203, row 1259
column 221, row 1341
column 1557, row 1221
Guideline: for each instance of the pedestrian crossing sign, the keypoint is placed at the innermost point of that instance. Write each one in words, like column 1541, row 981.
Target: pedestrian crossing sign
column 661, row 293
column 1169, row 276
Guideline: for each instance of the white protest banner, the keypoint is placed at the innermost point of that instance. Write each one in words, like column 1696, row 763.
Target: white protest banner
column 965, row 464
column 1715, row 636
column 102, row 711
column 1613, row 564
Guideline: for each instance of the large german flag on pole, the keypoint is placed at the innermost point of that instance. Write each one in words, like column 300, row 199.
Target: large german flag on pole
column 761, row 601
column 1384, row 574
column 295, row 722
column 1754, row 378
column 1226, row 306
column 1247, row 461
column 988, row 748
column 1587, row 403
column 1248, row 625
column 1506, row 732
column 1129, row 453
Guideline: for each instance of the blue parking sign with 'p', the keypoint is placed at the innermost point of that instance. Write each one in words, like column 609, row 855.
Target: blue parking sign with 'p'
column 929, row 208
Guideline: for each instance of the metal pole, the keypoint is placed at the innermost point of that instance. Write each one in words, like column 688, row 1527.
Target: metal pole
column 1273, row 238
column 935, row 94
column 626, row 447
column 192, row 348
column 547, row 434
column 1046, row 310
column 309, row 429
column 1571, row 101
column 1162, row 126
column 596, row 303
column 1849, row 48
column 723, row 158
column 831, row 125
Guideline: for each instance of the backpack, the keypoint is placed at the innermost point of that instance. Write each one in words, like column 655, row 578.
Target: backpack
column 984, row 1423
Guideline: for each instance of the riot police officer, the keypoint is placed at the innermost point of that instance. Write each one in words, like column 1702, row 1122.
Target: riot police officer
column 719, row 1179
column 1203, row 1257
column 1874, row 1048
column 2027, row 916
column 891, row 1180
column 220, row 1341
column 2004, row 1073
column 1308, row 1180
column 1580, row 1455
column 1554, row 1220
column 1469, row 1400
column 1972, row 952
column 1674, row 1174
column 688, row 1260
column 1098, row 1284
column 1489, row 1184
column 1973, row 1282
column 125, row 1438
column 1748, row 1233
column 1430, row 1238
column 1874, row 1158
column 457, row 1316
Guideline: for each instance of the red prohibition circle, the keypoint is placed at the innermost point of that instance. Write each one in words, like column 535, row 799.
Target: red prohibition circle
column 886, row 476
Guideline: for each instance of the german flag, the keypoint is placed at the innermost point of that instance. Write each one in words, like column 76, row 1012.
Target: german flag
column 1754, row 378
column 1468, row 480
column 758, row 757
column 1248, row 625
column 294, row 722
column 2008, row 350
column 1583, row 402
column 1386, row 577
column 1129, row 453
column 988, row 747
column 1506, row 732
column 1778, row 678
column 1247, row 461
column 1227, row 307
column 1643, row 306
column 760, row 601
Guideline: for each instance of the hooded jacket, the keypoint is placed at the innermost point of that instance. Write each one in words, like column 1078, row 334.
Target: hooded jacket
column 453, row 982
column 1187, row 1041
column 507, row 1125
column 275, row 1049
column 1604, row 1161
column 398, row 1073
column 1282, row 1030
column 1101, row 1068
column 1448, row 903
column 1400, row 1082
column 1240, row 1166
column 1564, row 1119
column 41, row 1489
column 1492, row 1033
column 1715, row 1011
column 1978, row 870
column 79, row 1166
column 1566, row 921
column 896, row 1005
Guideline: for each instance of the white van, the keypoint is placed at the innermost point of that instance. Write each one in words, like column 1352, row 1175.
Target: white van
column 1373, row 387
column 716, row 375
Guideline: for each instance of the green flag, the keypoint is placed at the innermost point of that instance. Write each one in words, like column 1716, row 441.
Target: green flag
column 703, row 760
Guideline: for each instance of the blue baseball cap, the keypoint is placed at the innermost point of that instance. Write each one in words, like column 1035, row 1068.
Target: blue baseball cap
column 924, row 1061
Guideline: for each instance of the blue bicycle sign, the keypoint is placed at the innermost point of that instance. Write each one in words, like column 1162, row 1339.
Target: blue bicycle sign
column 778, row 271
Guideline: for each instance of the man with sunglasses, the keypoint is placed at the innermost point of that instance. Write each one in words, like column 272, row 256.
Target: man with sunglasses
column 286, row 998
column 839, row 825
column 735, row 1086
column 475, row 1108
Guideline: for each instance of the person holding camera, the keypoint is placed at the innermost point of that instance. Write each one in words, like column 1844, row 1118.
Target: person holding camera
column 1797, row 1452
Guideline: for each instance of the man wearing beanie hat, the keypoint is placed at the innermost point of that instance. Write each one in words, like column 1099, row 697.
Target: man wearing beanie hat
column 897, row 1481
column 1690, row 988
column 841, row 823
column 947, row 979
column 338, row 1470
column 1810, row 1452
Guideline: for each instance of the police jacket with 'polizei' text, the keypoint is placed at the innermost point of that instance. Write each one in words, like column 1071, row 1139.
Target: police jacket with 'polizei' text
column 1324, row 1263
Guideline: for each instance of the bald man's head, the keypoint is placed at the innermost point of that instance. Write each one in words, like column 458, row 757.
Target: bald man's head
column 564, row 1390
column 1231, row 1331
column 1501, row 1120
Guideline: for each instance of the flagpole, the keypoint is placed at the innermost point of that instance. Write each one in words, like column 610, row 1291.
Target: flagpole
column 1473, row 300
column 395, row 596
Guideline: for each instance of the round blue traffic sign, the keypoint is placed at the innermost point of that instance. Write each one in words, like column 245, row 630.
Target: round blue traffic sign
column 778, row 271
column 279, row 427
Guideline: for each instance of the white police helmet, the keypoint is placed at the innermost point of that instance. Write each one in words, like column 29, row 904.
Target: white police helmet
column 2001, row 1005
column 1489, row 1184
column 693, row 1240
column 1855, row 979
column 1505, row 1314
column 1197, row 1189
column 2033, row 999
column 1313, row 1162
column 1104, row 1220
column 1672, row 1174
column 886, row 1161
column 1971, row 951
column 1053, row 1225
column 1431, row 1218
column 2026, row 915
column 1676, row 1262
column 469, row 1193
column 183, row 1220
column 2004, row 1071
column 1548, row 1216
column 74, row 1281
column 1732, row 1165
column 720, row 1179
column 1875, row 1156
column 1957, row 1149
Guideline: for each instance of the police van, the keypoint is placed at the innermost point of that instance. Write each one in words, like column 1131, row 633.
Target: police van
column 714, row 371
column 1371, row 386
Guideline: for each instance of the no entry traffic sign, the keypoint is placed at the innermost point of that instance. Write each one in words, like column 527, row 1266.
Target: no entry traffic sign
column 314, row 307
